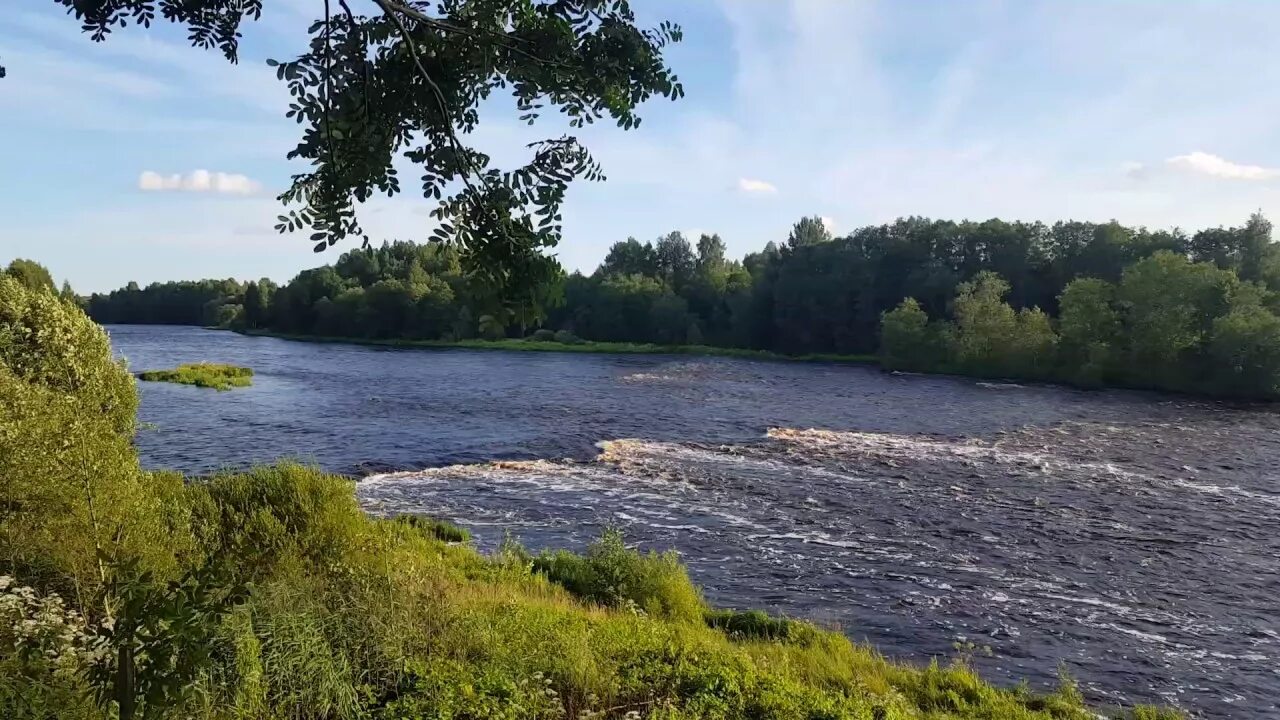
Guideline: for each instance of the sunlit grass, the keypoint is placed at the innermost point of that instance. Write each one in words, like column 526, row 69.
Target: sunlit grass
column 206, row 375
column 354, row 616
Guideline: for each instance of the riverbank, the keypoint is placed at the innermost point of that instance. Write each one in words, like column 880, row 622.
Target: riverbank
column 586, row 346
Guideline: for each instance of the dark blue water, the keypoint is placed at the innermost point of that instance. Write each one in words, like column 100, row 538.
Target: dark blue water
column 1133, row 537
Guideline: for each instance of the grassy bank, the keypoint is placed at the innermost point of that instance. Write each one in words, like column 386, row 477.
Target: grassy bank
column 351, row 616
column 206, row 375
column 586, row 346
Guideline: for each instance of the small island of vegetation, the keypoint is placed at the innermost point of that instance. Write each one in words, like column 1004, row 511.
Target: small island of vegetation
column 206, row 375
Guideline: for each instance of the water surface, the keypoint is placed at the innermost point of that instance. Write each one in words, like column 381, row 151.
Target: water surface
column 1133, row 537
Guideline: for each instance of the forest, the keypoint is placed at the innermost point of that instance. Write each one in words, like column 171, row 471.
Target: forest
column 1087, row 303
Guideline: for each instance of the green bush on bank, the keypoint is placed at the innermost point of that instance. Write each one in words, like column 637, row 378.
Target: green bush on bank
column 757, row 624
column 612, row 575
column 436, row 528
column 206, row 375
column 269, row 594
column 1169, row 324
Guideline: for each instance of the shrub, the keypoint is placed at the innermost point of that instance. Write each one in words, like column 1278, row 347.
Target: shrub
column 438, row 529
column 268, row 513
column 68, row 471
column 542, row 335
column 491, row 328
column 567, row 338
column 908, row 341
column 613, row 575
column 42, row 648
column 52, row 344
column 759, row 625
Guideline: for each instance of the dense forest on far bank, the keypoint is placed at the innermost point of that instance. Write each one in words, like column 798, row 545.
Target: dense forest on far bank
column 1088, row 303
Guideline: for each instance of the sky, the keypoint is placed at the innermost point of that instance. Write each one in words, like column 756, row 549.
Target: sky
column 144, row 159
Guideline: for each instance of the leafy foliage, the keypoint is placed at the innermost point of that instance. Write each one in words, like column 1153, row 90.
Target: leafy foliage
column 757, row 624
column 70, row 485
column 31, row 274
column 408, row 82
column 436, row 528
column 159, row 638
column 908, row 341
column 613, row 575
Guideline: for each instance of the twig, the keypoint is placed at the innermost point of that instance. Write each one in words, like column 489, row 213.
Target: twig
column 328, row 79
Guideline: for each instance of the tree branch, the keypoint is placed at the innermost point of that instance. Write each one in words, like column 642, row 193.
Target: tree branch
column 389, row 8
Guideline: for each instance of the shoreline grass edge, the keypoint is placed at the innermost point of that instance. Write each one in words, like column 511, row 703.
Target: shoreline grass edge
column 587, row 346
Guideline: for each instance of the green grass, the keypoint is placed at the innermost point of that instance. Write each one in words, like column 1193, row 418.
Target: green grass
column 353, row 617
column 585, row 346
column 436, row 528
column 206, row 375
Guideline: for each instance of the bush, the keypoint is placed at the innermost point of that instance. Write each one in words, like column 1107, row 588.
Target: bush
column 277, row 512
column 438, row 529
column 567, row 338
column 759, row 625
column 542, row 335
column 908, row 341
column 611, row 574
column 68, row 473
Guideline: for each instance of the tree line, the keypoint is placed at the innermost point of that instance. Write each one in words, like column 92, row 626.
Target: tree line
column 1090, row 303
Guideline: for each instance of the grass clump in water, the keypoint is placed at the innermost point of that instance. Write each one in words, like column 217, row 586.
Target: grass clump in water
column 208, row 375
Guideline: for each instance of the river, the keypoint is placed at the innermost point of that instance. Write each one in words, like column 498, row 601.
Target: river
column 1133, row 538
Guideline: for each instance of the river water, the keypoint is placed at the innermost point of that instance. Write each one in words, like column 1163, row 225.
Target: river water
column 1132, row 538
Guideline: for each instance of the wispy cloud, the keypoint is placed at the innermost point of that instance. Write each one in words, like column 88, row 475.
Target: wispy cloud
column 1203, row 163
column 199, row 181
column 756, row 187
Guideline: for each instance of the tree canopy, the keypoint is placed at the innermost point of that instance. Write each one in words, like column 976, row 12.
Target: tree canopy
column 31, row 275
column 1087, row 303
column 389, row 79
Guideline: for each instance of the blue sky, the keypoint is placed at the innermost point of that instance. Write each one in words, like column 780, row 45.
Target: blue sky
column 1160, row 113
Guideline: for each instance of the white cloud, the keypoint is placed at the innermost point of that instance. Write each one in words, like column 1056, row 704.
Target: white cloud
column 829, row 223
column 1206, row 164
column 1134, row 170
column 759, row 187
column 199, row 181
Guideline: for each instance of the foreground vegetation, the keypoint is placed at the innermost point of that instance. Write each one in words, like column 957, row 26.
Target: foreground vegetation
column 206, row 375
column 269, row 594
column 1091, row 304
